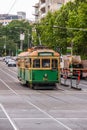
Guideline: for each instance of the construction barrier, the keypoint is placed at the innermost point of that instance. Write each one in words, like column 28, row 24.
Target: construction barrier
column 78, row 79
column 65, row 76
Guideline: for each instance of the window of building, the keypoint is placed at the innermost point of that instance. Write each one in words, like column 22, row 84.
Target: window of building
column 59, row 5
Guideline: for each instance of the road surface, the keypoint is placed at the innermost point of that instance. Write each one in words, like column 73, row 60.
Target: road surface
column 22, row 108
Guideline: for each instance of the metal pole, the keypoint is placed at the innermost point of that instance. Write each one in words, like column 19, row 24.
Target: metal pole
column 5, row 45
column 71, row 67
column 39, row 40
column 21, row 45
column 28, row 38
column 16, row 49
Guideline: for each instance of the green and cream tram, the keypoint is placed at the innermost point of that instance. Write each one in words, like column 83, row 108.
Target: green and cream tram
column 39, row 66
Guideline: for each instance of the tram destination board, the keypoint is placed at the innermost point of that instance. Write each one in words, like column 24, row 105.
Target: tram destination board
column 45, row 54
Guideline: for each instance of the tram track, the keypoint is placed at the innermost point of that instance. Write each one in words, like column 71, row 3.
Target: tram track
column 42, row 92
column 39, row 91
column 8, row 117
column 28, row 101
column 33, row 99
column 50, row 117
column 8, row 74
column 9, row 69
column 25, row 99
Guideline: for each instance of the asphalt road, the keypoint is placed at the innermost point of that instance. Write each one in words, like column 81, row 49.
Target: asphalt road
column 22, row 108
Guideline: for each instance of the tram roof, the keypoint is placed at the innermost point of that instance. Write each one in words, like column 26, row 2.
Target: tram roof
column 36, row 51
column 23, row 54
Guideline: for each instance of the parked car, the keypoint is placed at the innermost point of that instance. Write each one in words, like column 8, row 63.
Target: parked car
column 11, row 63
column 7, row 58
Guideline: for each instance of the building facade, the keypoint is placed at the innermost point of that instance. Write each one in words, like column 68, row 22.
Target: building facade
column 21, row 15
column 43, row 6
column 7, row 18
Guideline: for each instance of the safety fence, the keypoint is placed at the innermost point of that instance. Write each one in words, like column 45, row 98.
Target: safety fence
column 71, row 80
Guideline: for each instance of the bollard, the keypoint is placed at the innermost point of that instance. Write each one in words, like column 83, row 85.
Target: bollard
column 78, row 75
column 78, row 79
column 65, row 76
column 77, row 82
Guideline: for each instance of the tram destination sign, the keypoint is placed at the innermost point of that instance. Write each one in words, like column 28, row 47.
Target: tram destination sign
column 45, row 54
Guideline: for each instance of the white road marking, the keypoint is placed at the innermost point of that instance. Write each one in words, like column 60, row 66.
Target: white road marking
column 13, row 125
column 9, row 69
column 32, row 118
column 48, row 118
column 51, row 117
column 3, row 118
column 9, row 75
column 36, row 106
column 12, row 71
column 8, row 87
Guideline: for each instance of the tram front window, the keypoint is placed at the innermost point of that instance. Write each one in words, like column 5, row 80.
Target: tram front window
column 36, row 63
column 45, row 63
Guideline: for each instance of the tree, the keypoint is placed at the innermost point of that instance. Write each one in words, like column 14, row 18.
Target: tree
column 78, row 20
column 15, row 28
column 61, row 28
column 45, row 30
column 11, row 32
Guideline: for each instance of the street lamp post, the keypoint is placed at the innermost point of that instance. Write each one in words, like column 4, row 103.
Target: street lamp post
column 5, row 45
column 16, row 49
column 29, row 31
column 28, row 39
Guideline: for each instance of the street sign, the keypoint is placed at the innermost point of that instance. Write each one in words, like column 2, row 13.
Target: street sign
column 69, row 50
column 22, row 36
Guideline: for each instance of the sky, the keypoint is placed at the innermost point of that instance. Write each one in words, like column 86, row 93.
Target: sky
column 14, row 6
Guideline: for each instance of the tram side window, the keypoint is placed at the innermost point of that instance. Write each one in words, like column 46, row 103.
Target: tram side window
column 45, row 63
column 36, row 63
column 22, row 62
column 28, row 62
column 18, row 61
column 54, row 64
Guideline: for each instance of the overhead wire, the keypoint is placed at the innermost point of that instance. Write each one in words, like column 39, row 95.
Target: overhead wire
column 13, row 3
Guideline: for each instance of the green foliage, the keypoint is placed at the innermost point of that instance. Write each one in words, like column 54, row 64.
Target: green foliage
column 61, row 28
column 57, row 30
column 78, row 20
column 10, row 36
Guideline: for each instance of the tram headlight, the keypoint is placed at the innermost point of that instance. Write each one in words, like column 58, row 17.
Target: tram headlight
column 45, row 75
